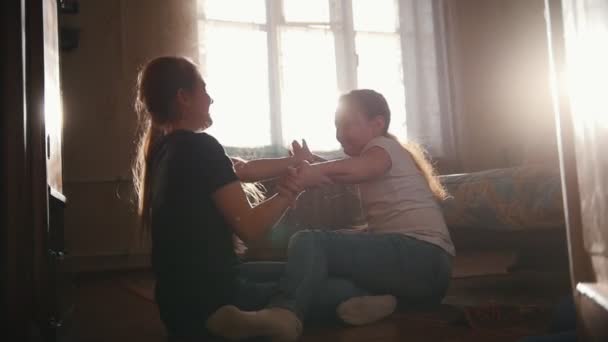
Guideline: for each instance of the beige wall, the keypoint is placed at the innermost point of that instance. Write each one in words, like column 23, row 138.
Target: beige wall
column 116, row 38
column 498, row 51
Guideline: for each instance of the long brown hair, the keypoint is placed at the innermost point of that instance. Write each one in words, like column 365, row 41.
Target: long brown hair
column 158, row 83
column 374, row 104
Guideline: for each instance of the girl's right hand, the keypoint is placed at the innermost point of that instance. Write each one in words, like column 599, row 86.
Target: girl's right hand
column 290, row 188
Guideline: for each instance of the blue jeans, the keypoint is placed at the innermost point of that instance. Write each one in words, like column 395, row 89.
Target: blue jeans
column 258, row 282
column 325, row 268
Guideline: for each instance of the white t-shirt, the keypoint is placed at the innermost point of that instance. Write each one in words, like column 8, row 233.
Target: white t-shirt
column 400, row 201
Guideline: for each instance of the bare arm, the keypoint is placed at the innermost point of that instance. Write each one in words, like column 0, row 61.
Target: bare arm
column 318, row 159
column 249, row 224
column 372, row 164
column 352, row 230
column 262, row 169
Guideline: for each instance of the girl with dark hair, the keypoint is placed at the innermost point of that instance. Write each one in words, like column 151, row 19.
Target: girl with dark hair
column 191, row 202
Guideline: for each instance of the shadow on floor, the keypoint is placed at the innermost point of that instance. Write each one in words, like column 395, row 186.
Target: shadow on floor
column 110, row 307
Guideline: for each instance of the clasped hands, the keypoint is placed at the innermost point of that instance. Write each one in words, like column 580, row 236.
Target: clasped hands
column 303, row 175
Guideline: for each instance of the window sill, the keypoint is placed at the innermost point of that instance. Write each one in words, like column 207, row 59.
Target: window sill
column 249, row 153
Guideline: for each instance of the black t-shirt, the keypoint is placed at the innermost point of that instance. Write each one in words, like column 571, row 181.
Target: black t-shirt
column 192, row 250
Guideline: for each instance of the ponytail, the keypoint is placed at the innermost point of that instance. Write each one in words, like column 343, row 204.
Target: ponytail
column 157, row 85
column 425, row 167
column 141, row 178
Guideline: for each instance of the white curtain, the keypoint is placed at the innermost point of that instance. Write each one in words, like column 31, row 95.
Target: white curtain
column 430, row 119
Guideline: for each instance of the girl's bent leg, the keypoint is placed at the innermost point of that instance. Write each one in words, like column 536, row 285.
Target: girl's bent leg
column 333, row 292
column 381, row 264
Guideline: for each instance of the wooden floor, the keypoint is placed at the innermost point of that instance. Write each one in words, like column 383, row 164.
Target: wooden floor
column 107, row 311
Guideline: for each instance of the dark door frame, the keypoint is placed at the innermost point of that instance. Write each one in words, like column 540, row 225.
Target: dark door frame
column 23, row 192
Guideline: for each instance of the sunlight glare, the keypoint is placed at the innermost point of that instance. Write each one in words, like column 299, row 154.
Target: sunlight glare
column 588, row 75
column 310, row 91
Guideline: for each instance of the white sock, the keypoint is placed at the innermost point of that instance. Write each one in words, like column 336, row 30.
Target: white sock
column 234, row 324
column 366, row 309
column 286, row 326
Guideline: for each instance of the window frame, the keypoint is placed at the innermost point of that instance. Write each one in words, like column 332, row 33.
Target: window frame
column 342, row 26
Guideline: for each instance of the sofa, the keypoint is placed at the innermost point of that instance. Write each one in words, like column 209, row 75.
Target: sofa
column 517, row 208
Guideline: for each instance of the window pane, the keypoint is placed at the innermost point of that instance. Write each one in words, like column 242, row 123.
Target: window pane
column 249, row 11
column 316, row 11
column 309, row 87
column 375, row 15
column 380, row 69
column 238, row 85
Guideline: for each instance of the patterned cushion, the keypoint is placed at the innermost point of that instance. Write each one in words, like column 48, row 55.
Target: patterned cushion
column 518, row 198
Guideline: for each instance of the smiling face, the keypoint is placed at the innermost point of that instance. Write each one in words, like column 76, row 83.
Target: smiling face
column 173, row 95
column 355, row 128
column 201, row 103
column 194, row 106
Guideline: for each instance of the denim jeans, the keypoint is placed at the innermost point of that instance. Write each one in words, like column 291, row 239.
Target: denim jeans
column 258, row 282
column 325, row 268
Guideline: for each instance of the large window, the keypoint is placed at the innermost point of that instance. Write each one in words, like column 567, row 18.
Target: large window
column 275, row 68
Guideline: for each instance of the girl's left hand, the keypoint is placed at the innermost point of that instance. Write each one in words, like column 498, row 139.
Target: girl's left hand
column 301, row 152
